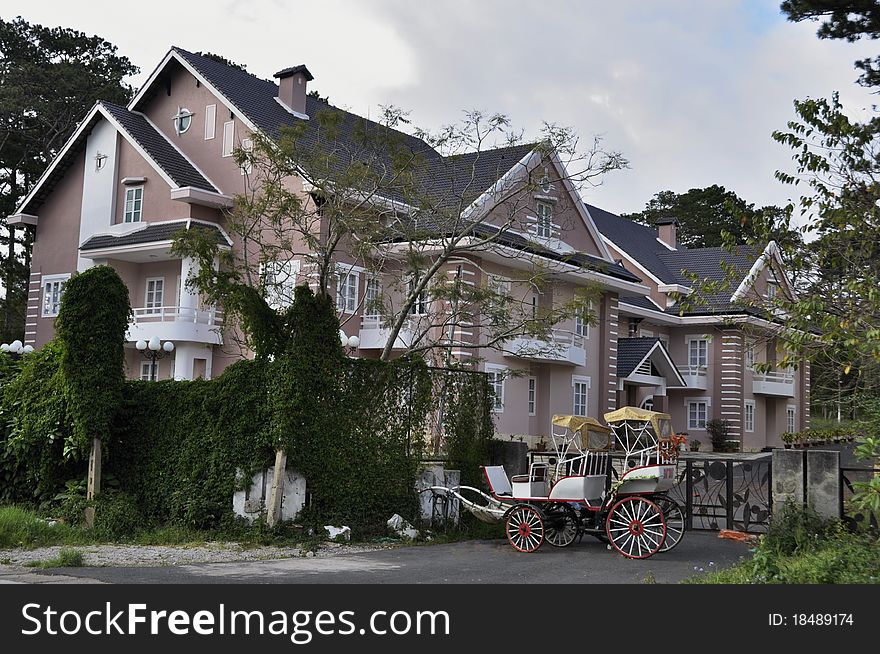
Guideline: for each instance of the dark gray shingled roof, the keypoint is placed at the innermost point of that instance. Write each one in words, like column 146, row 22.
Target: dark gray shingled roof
column 631, row 351
column 640, row 242
column 446, row 179
column 166, row 156
column 152, row 233
column 639, row 301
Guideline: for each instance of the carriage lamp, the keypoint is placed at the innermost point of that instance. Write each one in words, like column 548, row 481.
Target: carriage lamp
column 16, row 347
column 153, row 350
column 351, row 342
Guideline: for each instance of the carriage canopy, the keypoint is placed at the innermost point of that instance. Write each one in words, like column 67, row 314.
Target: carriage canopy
column 661, row 422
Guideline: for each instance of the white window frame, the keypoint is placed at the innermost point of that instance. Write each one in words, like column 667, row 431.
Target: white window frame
column 146, row 370
column 772, row 290
column 497, row 380
column 749, row 410
column 346, row 303
column 51, row 309
column 133, row 216
column 750, row 355
column 182, row 113
column 247, row 145
column 279, row 295
column 544, row 219
column 696, row 425
column 422, row 305
column 581, row 324
column 370, row 298
column 791, row 418
column 532, row 385
column 228, row 138
column 500, row 285
column 210, row 122
column 697, row 339
column 580, row 382
column 151, row 306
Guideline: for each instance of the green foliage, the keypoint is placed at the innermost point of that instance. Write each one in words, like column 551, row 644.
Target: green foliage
column 22, row 528
column 91, row 328
column 67, row 558
column 719, row 433
column 117, row 516
column 467, row 423
column 801, row 548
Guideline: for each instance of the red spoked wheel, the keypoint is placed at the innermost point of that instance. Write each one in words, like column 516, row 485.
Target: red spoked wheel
column 635, row 527
column 525, row 528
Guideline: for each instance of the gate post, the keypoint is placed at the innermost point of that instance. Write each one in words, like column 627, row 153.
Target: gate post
column 823, row 483
column 728, row 494
column 689, row 495
column 788, row 479
column 276, row 493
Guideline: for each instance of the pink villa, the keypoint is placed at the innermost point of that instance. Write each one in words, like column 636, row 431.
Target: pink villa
column 131, row 177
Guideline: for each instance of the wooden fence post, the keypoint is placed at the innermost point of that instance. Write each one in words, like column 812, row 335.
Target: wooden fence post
column 276, row 493
column 94, row 483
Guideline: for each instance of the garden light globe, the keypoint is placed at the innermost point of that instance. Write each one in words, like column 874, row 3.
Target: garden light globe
column 354, row 341
column 155, row 344
column 4, row 347
column 343, row 338
column 141, row 345
column 15, row 346
column 168, row 346
column 27, row 349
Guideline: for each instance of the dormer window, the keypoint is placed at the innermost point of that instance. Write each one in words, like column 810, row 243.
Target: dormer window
column 772, row 289
column 134, row 203
column 182, row 120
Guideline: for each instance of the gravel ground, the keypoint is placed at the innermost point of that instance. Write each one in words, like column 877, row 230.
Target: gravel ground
column 170, row 555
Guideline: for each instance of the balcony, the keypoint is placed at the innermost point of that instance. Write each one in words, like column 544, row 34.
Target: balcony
column 774, row 383
column 563, row 347
column 374, row 334
column 177, row 324
column 695, row 377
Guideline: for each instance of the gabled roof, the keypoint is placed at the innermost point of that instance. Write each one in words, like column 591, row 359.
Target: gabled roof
column 153, row 232
column 633, row 352
column 168, row 161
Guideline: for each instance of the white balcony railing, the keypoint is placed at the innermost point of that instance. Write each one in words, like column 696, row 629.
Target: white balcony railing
column 778, row 383
column 374, row 334
column 562, row 346
column 176, row 324
column 695, row 376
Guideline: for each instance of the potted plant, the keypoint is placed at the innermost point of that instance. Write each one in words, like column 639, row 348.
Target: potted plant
column 787, row 440
column 695, row 445
column 719, row 432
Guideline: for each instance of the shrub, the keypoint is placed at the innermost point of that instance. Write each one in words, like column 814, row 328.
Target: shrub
column 719, row 432
column 117, row 516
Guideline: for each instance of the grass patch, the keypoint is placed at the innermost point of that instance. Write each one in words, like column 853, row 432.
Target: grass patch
column 22, row 528
column 800, row 548
column 67, row 558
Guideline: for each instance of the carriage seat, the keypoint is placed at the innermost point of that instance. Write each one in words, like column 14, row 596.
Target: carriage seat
column 499, row 484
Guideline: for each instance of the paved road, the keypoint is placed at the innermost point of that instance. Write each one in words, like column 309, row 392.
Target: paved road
column 472, row 562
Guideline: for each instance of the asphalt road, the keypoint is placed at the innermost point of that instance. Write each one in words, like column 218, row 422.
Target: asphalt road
column 471, row 562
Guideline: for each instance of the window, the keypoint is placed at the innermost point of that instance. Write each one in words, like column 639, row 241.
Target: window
column 346, row 290
column 148, row 371
column 790, row 418
column 534, row 307
column 155, row 295
column 134, row 204
column 749, row 416
column 697, row 414
column 499, row 285
column 420, row 306
column 648, row 403
column 545, row 220
column 533, row 395
column 279, row 281
column 750, row 355
column 646, row 333
column 247, row 145
column 228, row 138
column 182, row 120
column 496, row 384
column 582, row 322
column 372, row 301
column 210, row 121
column 698, row 349
column 53, row 288
column 580, row 387
column 772, row 288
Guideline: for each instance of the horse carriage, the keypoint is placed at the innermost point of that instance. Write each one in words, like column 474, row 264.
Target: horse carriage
column 576, row 489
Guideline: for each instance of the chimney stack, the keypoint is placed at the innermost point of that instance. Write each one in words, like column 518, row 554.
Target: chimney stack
column 667, row 230
column 292, row 84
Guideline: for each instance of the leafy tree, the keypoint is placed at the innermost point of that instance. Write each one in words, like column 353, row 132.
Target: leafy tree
column 843, row 19
column 705, row 214
column 49, row 78
column 339, row 189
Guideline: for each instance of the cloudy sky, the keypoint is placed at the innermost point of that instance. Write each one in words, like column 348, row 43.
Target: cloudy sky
column 688, row 90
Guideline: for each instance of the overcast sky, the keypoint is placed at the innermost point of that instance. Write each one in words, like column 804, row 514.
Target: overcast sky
column 688, row 90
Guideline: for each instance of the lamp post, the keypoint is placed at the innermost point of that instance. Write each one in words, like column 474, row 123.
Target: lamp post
column 348, row 342
column 16, row 347
column 153, row 350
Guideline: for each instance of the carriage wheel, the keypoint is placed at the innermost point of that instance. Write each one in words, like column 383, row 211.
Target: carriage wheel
column 635, row 527
column 673, row 516
column 525, row 528
column 561, row 526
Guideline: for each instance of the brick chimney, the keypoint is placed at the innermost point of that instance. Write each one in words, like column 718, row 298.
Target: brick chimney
column 292, row 84
column 667, row 230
